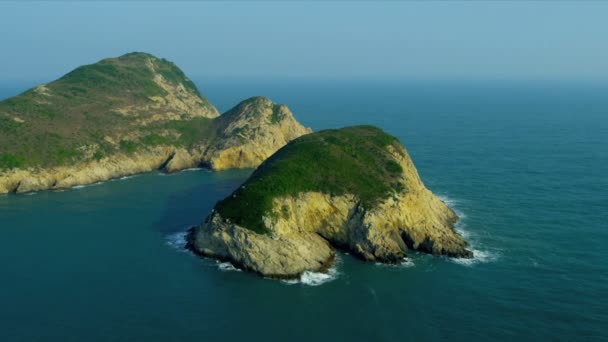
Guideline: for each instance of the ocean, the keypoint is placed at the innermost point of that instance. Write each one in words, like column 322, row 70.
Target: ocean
column 525, row 165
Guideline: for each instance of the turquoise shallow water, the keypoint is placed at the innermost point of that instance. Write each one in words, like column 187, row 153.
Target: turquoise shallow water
column 524, row 164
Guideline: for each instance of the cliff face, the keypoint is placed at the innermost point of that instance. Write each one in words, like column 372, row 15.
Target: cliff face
column 64, row 177
column 303, row 229
column 251, row 132
column 126, row 115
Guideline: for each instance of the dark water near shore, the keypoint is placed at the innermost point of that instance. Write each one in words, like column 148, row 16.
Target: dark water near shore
column 526, row 165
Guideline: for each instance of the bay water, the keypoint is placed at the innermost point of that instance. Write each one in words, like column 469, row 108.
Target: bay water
column 525, row 164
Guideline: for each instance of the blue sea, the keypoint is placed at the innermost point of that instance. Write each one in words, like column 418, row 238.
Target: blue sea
column 525, row 164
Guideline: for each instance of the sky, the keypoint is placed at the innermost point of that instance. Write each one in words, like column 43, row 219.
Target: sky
column 474, row 40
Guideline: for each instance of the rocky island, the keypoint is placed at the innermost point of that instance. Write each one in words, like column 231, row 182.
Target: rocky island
column 126, row 115
column 354, row 189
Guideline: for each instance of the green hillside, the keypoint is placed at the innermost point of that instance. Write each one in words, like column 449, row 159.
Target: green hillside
column 352, row 160
column 119, row 104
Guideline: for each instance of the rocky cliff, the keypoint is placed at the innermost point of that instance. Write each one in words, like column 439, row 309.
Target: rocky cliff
column 127, row 115
column 360, row 191
column 251, row 132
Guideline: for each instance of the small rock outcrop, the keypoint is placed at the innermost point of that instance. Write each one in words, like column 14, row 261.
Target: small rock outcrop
column 359, row 191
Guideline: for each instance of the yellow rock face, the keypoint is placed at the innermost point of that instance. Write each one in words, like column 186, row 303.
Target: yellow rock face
column 22, row 181
column 251, row 133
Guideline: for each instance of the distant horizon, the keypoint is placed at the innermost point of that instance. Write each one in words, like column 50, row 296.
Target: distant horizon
column 11, row 88
column 561, row 41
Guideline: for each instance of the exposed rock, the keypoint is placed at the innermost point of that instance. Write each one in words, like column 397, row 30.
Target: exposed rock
column 298, row 227
column 281, row 256
column 251, row 132
column 182, row 159
column 63, row 177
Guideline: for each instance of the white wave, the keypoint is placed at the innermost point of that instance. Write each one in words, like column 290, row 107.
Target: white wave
column 126, row 177
column 406, row 263
column 452, row 203
column 463, row 232
column 448, row 200
column 192, row 169
column 165, row 174
column 316, row 278
column 227, row 266
column 312, row 278
column 82, row 186
column 479, row 257
column 177, row 240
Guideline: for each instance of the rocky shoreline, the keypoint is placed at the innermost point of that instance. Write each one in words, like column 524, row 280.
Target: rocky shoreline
column 190, row 246
column 65, row 177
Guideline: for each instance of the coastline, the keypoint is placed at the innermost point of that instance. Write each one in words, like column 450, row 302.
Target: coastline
column 22, row 181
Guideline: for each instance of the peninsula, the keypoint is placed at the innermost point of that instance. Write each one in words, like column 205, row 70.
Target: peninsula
column 127, row 115
column 354, row 189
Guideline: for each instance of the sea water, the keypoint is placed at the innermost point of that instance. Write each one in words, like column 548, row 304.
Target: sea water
column 525, row 164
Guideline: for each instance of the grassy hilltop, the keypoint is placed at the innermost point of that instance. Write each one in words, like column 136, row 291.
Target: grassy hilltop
column 352, row 160
column 119, row 104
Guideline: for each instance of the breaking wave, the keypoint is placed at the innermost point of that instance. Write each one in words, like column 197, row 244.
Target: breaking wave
column 193, row 169
column 227, row 266
column 82, row 186
column 317, row 278
column 177, row 240
column 480, row 255
column 406, row 263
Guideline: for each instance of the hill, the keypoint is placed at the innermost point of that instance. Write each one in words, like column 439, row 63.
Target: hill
column 354, row 188
column 125, row 115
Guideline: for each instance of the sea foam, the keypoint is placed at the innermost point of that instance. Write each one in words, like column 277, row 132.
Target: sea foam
column 82, row 186
column 405, row 263
column 480, row 256
column 317, row 278
column 177, row 240
column 227, row 266
column 314, row 278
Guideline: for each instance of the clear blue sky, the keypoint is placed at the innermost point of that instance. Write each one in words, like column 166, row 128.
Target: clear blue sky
column 421, row 40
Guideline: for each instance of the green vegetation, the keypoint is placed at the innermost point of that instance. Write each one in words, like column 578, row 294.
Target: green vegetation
column 9, row 161
column 156, row 140
column 98, row 155
column 274, row 119
column 9, row 125
column 63, row 155
column 128, row 146
column 48, row 124
column 351, row 160
column 190, row 131
column 172, row 73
